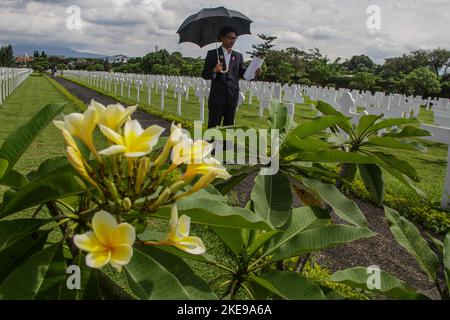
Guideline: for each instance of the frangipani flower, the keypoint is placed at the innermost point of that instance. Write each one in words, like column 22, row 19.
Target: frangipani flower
column 210, row 169
column 81, row 126
column 135, row 142
column 108, row 242
column 176, row 134
column 179, row 234
column 114, row 115
column 187, row 151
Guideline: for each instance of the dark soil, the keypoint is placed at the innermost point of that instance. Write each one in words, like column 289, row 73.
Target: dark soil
column 381, row 250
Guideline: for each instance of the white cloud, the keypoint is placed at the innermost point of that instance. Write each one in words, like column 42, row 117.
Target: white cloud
column 134, row 27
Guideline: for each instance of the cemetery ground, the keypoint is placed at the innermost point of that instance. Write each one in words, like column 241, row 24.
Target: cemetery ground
column 381, row 250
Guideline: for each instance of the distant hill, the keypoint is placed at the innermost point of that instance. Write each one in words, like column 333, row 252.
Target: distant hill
column 22, row 49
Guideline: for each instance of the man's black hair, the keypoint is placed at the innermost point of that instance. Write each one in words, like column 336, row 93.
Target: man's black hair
column 226, row 30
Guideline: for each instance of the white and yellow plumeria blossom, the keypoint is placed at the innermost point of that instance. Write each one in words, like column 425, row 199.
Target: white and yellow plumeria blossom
column 135, row 142
column 179, row 234
column 187, row 151
column 210, row 169
column 108, row 242
column 81, row 125
column 114, row 115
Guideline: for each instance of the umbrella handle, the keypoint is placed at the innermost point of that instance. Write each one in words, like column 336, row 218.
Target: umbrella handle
column 218, row 60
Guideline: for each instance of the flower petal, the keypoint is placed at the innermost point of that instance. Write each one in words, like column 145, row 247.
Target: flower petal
column 88, row 242
column 113, row 150
column 111, row 135
column 98, row 259
column 121, row 254
column 184, row 225
column 103, row 225
column 124, row 233
column 192, row 245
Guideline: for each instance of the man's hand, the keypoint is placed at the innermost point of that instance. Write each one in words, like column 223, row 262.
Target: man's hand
column 218, row 68
column 258, row 72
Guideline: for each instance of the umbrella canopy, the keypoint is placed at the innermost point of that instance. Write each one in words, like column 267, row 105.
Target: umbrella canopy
column 203, row 27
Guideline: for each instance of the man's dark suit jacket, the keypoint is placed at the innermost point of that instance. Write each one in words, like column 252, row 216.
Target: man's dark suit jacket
column 221, row 83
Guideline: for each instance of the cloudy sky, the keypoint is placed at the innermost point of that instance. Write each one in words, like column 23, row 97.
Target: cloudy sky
column 134, row 27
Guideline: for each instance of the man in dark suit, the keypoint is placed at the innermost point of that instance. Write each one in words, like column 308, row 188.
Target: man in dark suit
column 224, row 75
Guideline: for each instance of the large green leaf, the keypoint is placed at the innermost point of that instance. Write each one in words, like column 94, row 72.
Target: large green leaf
column 319, row 239
column 372, row 176
column 397, row 164
column 389, row 142
column 3, row 167
column 150, row 276
column 14, row 179
column 196, row 287
column 18, row 141
column 14, row 255
column 389, row 285
column 446, row 257
column 39, row 277
column 272, row 198
column 345, row 208
column 262, row 238
column 12, row 231
column 303, row 218
column 408, row 132
column 409, row 237
column 331, row 156
column 327, row 109
column 278, row 115
column 231, row 237
column 295, row 144
column 391, row 122
column 289, row 285
column 315, row 126
column 206, row 208
column 365, row 122
column 55, row 185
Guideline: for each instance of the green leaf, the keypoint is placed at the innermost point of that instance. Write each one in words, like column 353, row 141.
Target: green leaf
column 55, row 185
column 345, row 208
column 150, row 278
column 338, row 156
column 294, row 144
column 206, row 208
column 14, row 179
column 409, row 237
column 289, row 285
column 278, row 115
column 408, row 132
column 389, row 142
column 303, row 218
column 372, row 176
column 319, row 239
column 18, row 141
column 389, row 285
column 39, row 277
column 3, row 167
column 12, row 231
column 272, row 198
column 196, row 287
column 315, row 126
column 365, row 122
column 391, row 122
column 397, row 164
column 327, row 109
column 261, row 239
column 14, row 255
column 231, row 237
column 225, row 186
column 446, row 255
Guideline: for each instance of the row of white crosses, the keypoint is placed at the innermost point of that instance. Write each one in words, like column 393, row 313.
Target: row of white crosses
column 10, row 80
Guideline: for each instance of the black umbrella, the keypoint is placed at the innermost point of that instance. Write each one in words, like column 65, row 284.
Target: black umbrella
column 203, row 27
